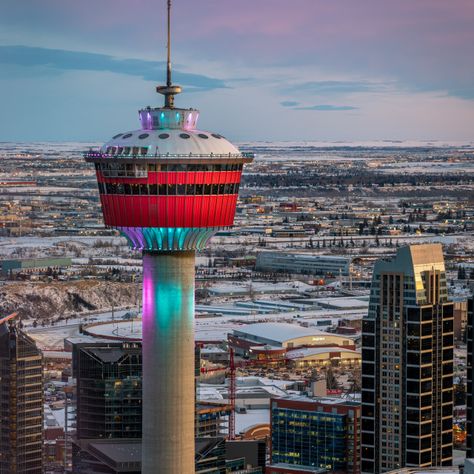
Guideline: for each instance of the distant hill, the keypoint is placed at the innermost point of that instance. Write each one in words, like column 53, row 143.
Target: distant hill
column 53, row 300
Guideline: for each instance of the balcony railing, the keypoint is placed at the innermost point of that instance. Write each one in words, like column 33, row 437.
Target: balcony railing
column 98, row 154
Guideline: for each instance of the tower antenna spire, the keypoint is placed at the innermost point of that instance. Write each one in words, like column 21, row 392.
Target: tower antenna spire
column 168, row 69
column 169, row 91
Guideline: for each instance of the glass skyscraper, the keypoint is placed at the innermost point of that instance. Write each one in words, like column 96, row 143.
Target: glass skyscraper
column 407, row 363
column 470, row 383
column 109, row 391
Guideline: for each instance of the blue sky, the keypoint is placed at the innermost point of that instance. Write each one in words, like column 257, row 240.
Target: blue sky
column 265, row 70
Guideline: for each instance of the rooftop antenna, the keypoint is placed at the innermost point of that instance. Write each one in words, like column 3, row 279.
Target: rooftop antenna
column 169, row 91
column 168, row 46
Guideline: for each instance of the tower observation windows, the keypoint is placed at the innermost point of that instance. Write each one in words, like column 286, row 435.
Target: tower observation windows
column 127, row 151
column 139, row 170
column 168, row 189
column 123, row 170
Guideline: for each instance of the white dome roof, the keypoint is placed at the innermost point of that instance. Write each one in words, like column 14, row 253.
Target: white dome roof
column 174, row 141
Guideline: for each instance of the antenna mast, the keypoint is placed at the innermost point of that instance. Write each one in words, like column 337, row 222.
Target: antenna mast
column 169, row 91
column 168, row 71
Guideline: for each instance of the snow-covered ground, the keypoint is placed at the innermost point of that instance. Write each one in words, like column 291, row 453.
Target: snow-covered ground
column 206, row 329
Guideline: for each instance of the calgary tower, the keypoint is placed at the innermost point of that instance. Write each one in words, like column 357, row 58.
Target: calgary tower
column 168, row 188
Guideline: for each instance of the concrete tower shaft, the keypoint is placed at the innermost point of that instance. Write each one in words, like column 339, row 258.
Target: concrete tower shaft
column 168, row 362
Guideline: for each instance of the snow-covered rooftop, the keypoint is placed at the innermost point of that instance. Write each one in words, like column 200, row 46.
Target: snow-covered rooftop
column 280, row 332
column 176, row 141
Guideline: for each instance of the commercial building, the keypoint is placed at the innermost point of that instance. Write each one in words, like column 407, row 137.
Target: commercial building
column 320, row 356
column 407, row 363
column 33, row 264
column 281, row 337
column 21, row 402
column 470, row 380
column 321, row 433
column 321, row 265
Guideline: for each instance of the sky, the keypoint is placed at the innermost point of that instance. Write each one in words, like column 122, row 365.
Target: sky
column 324, row 70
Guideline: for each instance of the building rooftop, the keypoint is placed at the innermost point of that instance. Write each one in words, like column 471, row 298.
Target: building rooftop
column 118, row 452
column 280, row 332
column 413, row 259
column 109, row 354
column 322, row 400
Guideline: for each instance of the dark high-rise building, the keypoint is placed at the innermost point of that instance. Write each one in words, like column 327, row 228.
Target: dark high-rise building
column 470, row 386
column 109, row 399
column 21, row 402
column 109, row 391
column 315, row 433
column 407, row 363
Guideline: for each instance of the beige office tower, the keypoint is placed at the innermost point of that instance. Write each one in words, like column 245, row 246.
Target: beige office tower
column 21, row 403
column 407, row 363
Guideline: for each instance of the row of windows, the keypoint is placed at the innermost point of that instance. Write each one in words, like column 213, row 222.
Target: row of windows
column 168, row 189
column 127, row 150
column 173, row 167
column 164, row 136
column 122, row 170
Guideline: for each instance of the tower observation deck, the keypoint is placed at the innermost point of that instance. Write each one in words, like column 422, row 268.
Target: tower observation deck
column 168, row 188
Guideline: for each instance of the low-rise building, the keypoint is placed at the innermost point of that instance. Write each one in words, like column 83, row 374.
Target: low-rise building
column 250, row 337
column 306, row 264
